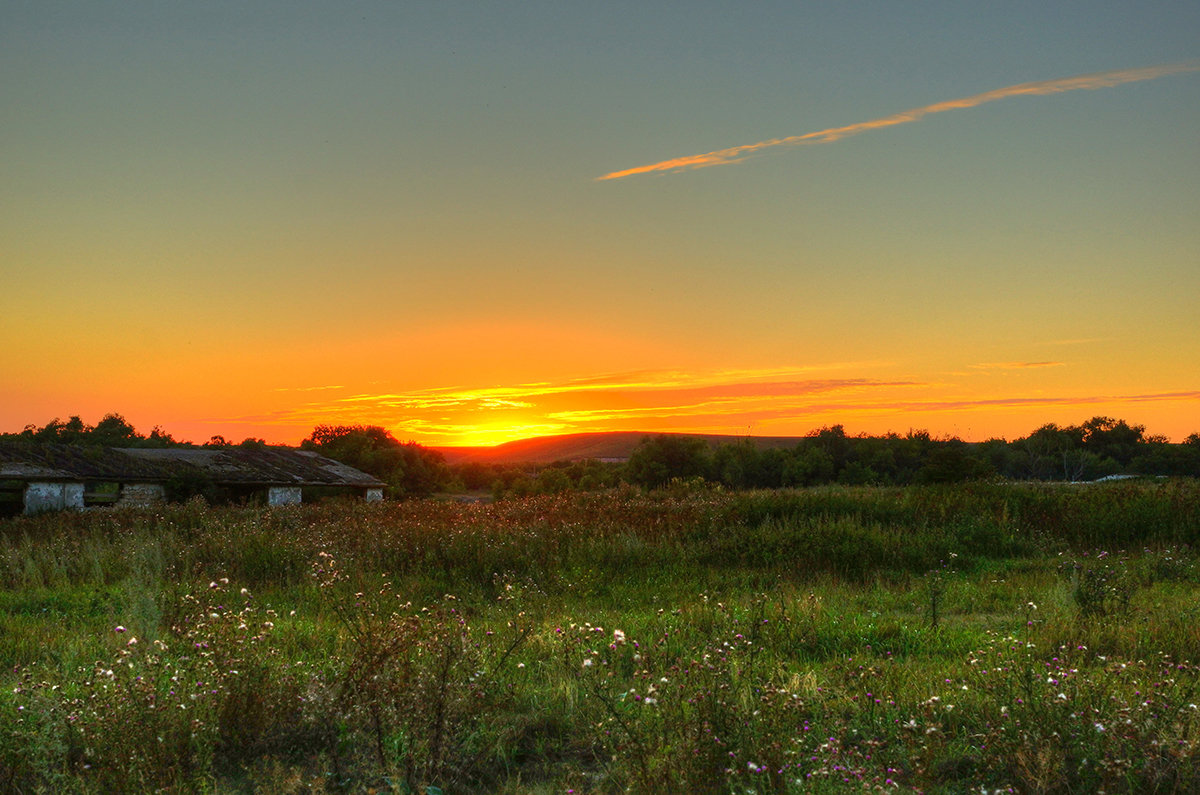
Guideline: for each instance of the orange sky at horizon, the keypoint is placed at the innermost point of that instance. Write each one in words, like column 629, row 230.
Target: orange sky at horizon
column 249, row 219
column 767, row 402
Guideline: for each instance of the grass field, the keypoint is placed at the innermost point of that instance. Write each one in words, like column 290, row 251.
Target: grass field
column 998, row 637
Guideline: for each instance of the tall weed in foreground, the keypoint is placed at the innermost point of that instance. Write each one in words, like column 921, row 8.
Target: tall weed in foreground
column 418, row 689
column 413, row 700
column 724, row 715
column 728, row 714
column 155, row 714
column 1101, row 586
column 1065, row 719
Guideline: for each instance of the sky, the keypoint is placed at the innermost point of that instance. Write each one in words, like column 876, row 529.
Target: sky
column 476, row 222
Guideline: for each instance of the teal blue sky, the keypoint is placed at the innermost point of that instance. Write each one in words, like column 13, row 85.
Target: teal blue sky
column 212, row 210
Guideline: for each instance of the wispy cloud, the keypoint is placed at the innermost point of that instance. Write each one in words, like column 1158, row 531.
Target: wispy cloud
column 777, row 400
column 735, row 154
column 1017, row 402
column 604, row 401
column 308, row 388
column 1079, row 341
column 1015, row 365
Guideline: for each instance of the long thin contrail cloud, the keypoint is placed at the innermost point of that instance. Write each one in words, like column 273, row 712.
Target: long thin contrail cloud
column 735, row 154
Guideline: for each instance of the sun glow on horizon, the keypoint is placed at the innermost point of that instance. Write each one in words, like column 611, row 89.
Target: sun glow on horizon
column 491, row 435
column 1006, row 398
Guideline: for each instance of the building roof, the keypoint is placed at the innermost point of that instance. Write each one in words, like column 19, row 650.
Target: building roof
column 258, row 466
column 30, row 460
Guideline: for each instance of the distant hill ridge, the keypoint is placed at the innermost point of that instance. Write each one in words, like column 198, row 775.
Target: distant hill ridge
column 607, row 445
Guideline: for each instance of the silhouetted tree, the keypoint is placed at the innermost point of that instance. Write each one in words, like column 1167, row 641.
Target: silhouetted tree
column 1109, row 438
column 808, row 465
column 407, row 468
column 660, row 459
column 950, row 462
column 113, row 431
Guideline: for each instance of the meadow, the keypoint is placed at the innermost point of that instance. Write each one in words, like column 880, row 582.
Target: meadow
column 980, row 637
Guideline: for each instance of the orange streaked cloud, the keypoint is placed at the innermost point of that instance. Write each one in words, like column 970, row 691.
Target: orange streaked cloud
column 773, row 401
column 308, row 388
column 602, row 402
column 735, row 154
column 1015, row 365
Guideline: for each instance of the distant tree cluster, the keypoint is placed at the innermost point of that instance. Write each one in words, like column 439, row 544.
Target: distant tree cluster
column 407, row 468
column 112, row 430
column 522, row 480
column 1099, row 447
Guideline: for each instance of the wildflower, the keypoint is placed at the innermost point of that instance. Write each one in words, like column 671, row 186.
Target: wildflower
column 618, row 637
column 119, row 628
column 132, row 642
column 1099, row 727
column 588, row 662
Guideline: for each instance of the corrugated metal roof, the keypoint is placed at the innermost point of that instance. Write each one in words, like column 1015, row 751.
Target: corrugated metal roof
column 265, row 466
column 262, row 466
column 19, row 470
column 75, row 462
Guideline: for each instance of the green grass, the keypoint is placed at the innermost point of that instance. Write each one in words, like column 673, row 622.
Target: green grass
column 1011, row 637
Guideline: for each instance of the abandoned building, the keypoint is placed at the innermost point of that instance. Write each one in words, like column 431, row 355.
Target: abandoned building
column 44, row 477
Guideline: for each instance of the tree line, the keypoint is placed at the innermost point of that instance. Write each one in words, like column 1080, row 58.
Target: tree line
column 1100, row 447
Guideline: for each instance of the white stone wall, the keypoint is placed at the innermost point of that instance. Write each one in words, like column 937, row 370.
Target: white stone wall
column 374, row 495
column 73, row 496
column 53, row 496
column 283, row 495
column 142, row 494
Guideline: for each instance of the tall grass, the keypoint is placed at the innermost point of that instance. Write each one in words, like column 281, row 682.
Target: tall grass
column 1013, row 637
